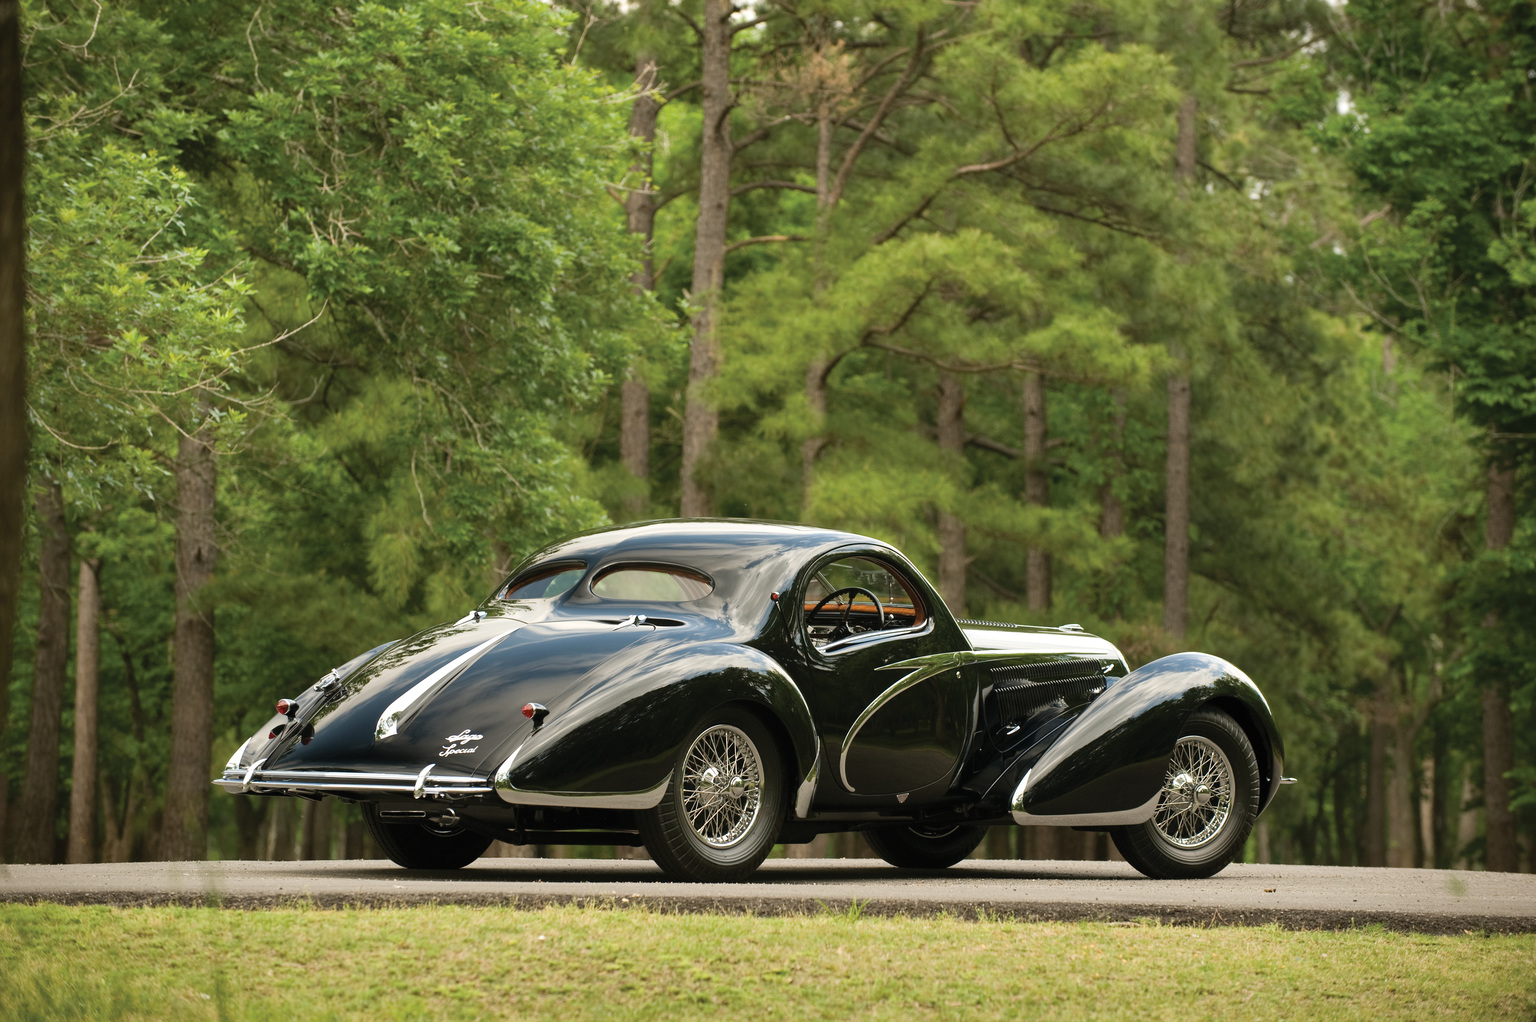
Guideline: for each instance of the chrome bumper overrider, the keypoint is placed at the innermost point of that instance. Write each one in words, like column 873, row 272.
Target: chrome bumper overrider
column 335, row 782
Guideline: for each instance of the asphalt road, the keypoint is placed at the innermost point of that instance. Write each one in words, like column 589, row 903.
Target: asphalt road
column 1299, row 897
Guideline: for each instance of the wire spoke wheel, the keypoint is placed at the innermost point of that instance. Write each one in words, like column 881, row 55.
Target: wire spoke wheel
column 1208, row 803
column 1197, row 794
column 722, row 785
column 723, row 809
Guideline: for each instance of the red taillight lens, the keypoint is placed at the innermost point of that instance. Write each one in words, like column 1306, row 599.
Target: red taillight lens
column 529, row 710
column 288, row 707
column 536, row 712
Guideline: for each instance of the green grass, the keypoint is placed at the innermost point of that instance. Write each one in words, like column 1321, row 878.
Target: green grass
column 59, row 962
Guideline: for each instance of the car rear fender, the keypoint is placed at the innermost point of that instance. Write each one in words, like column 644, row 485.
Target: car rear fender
column 614, row 745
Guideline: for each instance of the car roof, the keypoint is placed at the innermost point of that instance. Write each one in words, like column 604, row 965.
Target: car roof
column 711, row 545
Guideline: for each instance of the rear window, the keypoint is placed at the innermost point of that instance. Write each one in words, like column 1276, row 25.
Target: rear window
column 547, row 583
column 652, row 584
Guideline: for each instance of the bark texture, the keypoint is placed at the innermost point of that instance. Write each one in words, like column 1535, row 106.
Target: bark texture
column 701, row 422
column 35, row 810
column 184, row 833
column 1498, row 728
column 1176, row 511
column 640, row 210
column 82, row 793
column 13, row 361
column 1176, row 506
column 1037, row 490
column 951, row 528
column 816, row 370
column 1376, row 778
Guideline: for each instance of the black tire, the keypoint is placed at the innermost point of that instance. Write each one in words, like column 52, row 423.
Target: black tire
column 925, row 847
column 422, row 845
column 1187, row 839
column 707, row 828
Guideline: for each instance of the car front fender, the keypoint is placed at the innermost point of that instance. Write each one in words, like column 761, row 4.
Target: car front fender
column 1107, row 767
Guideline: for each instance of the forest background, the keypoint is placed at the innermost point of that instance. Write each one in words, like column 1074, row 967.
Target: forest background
column 1203, row 324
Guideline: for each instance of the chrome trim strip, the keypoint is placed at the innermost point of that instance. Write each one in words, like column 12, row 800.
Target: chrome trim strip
column 1287, row 780
column 807, row 790
column 1125, row 817
column 256, row 779
column 389, row 722
column 396, row 789
column 349, row 775
column 578, row 799
column 920, row 670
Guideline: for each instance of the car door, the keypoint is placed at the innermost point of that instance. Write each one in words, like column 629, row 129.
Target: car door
column 886, row 738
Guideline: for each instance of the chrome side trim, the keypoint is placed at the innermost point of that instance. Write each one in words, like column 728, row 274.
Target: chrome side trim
column 389, row 722
column 920, row 670
column 807, row 790
column 1287, row 780
column 1123, row 818
column 514, row 795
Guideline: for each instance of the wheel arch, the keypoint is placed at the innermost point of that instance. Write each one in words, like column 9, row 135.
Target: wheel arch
column 1258, row 736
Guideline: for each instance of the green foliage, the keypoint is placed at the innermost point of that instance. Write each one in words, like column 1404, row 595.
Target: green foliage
column 376, row 246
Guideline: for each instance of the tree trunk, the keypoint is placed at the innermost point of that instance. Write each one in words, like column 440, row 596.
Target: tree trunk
column 952, row 561
column 1427, row 815
column 1376, row 778
column 1185, row 154
column 1402, row 833
column 1176, row 512
column 1466, row 820
column 249, row 814
column 35, row 811
column 1498, row 760
column 1037, row 490
column 640, row 207
column 82, row 795
column 184, row 833
column 816, row 370
column 1176, row 500
column 1498, row 729
column 315, row 839
column 700, row 419
column 13, row 356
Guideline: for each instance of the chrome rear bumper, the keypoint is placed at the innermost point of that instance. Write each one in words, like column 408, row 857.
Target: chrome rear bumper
column 339, row 782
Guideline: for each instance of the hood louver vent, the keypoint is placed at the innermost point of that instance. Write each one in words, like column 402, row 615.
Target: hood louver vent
column 1021, row 690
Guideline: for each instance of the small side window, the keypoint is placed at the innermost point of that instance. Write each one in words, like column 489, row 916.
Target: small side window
column 652, row 584
column 547, row 583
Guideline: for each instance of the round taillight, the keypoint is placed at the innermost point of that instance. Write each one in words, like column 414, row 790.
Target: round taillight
column 536, row 712
column 288, row 707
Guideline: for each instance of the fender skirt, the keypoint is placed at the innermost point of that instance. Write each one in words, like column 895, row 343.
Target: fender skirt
column 1108, row 766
